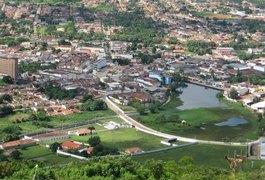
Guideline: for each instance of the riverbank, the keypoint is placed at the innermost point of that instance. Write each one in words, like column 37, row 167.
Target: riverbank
column 205, row 85
column 201, row 122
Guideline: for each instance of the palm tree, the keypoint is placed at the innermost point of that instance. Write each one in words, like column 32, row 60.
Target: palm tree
column 91, row 128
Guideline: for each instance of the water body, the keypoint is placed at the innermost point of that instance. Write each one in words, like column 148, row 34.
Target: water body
column 195, row 96
column 232, row 122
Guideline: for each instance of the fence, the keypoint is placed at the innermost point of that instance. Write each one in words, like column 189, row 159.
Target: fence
column 71, row 155
column 68, row 126
column 163, row 149
column 120, row 155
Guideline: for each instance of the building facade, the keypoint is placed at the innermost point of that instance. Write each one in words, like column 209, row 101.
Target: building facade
column 9, row 67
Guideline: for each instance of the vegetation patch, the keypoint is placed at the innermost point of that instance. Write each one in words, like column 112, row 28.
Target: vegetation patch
column 206, row 155
column 201, row 122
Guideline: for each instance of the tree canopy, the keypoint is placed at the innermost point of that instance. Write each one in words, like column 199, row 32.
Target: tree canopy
column 121, row 168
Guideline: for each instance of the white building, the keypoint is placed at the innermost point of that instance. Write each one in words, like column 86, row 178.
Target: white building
column 259, row 107
column 259, row 68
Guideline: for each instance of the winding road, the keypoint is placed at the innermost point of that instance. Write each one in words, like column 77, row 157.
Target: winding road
column 148, row 130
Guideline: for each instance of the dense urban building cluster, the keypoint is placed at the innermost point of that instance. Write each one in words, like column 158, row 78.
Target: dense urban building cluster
column 117, row 66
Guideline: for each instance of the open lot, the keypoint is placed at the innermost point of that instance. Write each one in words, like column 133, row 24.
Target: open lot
column 54, row 122
column 122, row 139
column 77, row 117
column 206, row 155
column 43, row 154
column 126, row 138
column 201, row 122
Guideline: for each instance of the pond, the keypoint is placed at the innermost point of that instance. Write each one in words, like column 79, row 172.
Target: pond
column 195, row 96
column 232, row 122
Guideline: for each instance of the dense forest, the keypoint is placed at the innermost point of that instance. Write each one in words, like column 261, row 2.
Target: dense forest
column 137, row 28
column 121, row 168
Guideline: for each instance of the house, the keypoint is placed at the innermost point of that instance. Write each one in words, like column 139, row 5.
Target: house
column 248, row 101
column 72, row 145
column 262, row 150
column 51, row 137
column 18, row 144
column 259, row 107
column 133, row 150
column 225, row 51
column 89, row 150
column 142, row 97
column 259, row 68
column 260, row 94
column 81, row 132
column 111, row 125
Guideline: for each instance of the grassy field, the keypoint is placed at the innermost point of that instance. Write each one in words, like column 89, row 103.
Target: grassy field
column 25, row 126
column 62, row 120
column 202, row 122
column 103, row 8
column 206, row 155
column 122, row 139
column 126, row 108
column 43, row 154
column 42, row 30
column 55, row 120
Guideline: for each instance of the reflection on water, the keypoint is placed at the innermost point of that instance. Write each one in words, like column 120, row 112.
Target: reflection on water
column 195, row 96
column 232, row 122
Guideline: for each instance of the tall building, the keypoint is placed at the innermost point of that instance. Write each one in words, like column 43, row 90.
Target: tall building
column 9, row 66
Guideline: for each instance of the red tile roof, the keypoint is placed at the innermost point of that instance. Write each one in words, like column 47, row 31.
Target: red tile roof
column 89, row 150
column 22, row 142
column 71, row 145
column 133, row 150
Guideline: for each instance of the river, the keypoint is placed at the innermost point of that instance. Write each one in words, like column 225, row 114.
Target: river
column 195, row 96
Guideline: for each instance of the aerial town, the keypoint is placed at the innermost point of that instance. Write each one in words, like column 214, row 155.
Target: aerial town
column 140, row 82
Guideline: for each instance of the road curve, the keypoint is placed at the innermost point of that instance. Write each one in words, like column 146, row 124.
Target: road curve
column 148, row 130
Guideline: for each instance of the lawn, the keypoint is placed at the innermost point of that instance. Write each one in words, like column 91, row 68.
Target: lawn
column 201, row 122
column 43, row 154
column 206, row 155
column 126, row 138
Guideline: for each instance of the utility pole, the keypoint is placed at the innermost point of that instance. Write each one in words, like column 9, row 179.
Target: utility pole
column 35, row 173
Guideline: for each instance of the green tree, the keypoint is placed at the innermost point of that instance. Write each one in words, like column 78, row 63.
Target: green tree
column 6, row 97
column 200, row 47
column 233, row 94
column 86, row 98
column 152, row 108
column 15, row 154
column 91, row 128
column 55, row 146
column 94, row 141
column 8, row 80
column 6, row 110
column 173, row 40
column 141, row 110
column 220, row 95
column 178, row 83
column 14, row 129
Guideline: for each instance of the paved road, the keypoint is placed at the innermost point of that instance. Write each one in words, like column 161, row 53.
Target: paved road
column 148, row 130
